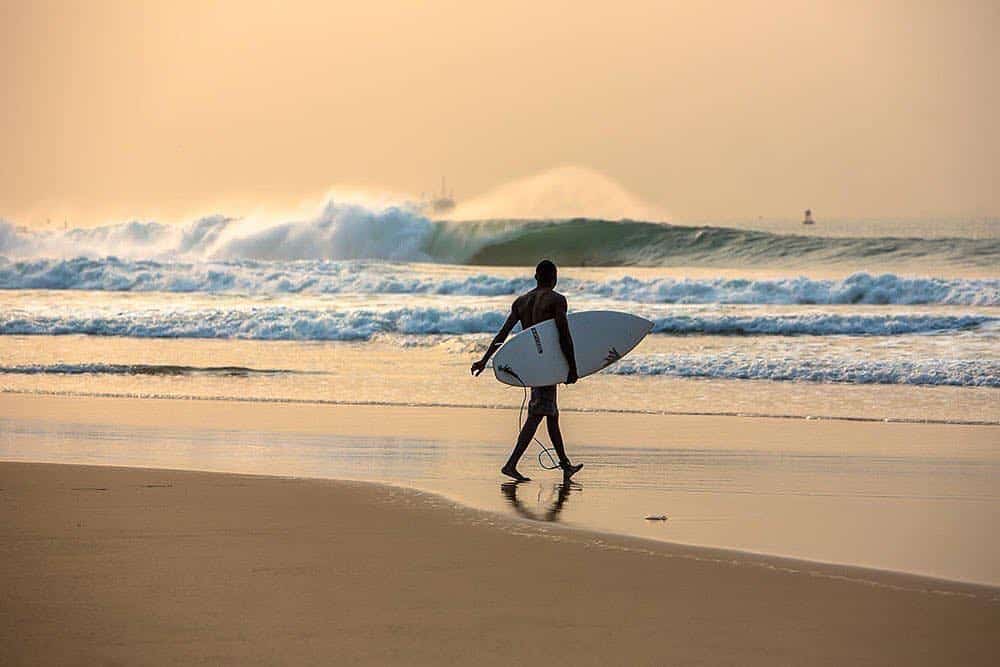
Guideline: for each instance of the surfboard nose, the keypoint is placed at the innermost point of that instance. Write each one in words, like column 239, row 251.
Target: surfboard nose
column 640, row 324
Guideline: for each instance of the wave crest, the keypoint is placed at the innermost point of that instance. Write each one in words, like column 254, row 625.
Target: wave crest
column 342, row 231
column 357, row 277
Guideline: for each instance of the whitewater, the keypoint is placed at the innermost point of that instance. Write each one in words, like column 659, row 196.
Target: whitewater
column 343, row 231
column 358, row 276
column 734, row 307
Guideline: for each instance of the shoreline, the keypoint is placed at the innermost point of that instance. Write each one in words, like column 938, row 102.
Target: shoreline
column 470, row 406
column 621, row 542
column 775, row 488
column 121, row 564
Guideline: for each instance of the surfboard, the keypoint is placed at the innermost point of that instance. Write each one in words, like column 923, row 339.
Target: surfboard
column 533, row 358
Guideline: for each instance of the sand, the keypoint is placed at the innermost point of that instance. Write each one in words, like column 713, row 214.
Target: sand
column 500, row 426
column 106, row 565
column 919, row 498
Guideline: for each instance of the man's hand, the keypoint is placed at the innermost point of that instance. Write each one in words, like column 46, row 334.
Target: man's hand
column 572, row 377
column 478, row 367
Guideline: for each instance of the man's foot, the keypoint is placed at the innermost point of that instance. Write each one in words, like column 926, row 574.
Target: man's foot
column 569, row 470
column 512, row 472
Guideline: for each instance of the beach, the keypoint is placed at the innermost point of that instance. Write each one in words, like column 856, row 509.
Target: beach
column 916, row 498
column 142, row 566
column 475, row 333
column 384, row 534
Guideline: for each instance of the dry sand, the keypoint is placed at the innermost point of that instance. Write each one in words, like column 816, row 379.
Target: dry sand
column 129, row 566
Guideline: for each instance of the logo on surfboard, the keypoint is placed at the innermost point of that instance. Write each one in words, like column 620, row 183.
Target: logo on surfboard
column 538, row 340
column 611, row 357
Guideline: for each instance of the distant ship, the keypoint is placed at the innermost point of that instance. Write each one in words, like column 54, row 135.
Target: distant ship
column 808, row 220
column 442, row 203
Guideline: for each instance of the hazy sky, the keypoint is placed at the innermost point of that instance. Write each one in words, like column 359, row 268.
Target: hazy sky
column 114, row 110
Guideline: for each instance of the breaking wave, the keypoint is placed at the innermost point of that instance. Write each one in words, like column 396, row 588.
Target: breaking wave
column 360, row 277
column 275, row 323
column 283, row 323
column 245, row 277
column 946, row 372
column 858, row 288
column 343, row 231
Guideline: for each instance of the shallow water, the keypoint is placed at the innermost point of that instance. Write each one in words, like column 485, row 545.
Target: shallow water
column 916, row 498
column 762, row 375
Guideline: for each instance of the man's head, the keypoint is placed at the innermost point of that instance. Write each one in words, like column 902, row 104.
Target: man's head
column 545, row 273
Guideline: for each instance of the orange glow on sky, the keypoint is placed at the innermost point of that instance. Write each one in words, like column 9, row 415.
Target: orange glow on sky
column 115, row 110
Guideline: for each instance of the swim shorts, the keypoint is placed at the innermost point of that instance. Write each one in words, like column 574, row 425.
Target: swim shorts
column 543, row 402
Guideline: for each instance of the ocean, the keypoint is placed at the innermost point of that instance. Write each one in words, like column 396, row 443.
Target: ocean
column 379, row 304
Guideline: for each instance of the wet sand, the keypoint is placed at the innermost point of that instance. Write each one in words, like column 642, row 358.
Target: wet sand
column 137, row 566
column 917, row 498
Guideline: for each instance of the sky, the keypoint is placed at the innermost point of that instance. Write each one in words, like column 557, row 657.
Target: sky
column 687, row 111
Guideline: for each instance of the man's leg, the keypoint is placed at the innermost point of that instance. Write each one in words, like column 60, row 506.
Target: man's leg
column 555, row 435
column 523, row 440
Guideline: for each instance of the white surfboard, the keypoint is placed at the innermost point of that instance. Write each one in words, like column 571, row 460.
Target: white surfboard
column 533, row 358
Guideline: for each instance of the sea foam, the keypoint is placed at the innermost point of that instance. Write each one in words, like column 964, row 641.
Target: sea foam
column 736, row 366
column 368, row 277
column 287, row 323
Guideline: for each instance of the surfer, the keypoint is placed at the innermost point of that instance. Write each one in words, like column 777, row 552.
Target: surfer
column 540, row 304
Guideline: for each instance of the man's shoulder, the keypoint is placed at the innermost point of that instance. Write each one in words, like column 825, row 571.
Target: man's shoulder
column 557, row 298
column 547, row 299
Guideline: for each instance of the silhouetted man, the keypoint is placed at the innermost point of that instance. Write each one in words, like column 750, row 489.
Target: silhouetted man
column 540, row 304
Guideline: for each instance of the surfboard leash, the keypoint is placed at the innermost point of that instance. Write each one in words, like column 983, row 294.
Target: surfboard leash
column 520, row 422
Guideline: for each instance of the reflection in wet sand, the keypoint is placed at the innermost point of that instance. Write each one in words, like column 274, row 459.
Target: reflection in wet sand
column 552, row 511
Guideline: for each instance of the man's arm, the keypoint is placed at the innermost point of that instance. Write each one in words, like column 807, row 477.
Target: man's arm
column 565, row 338
column 498, row 340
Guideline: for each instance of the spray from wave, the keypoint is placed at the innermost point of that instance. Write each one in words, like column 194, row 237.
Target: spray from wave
column 562, row 193
column 349, row 231
column 573, row 215
column 338, row 231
